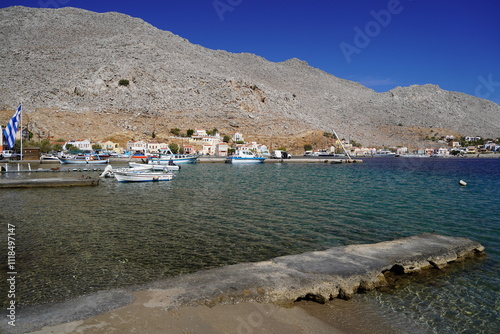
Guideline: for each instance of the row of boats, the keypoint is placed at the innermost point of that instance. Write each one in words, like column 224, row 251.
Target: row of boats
column 162, row 168
column 240, row 157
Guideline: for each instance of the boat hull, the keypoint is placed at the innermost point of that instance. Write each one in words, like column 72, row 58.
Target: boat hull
column 143, row 176
column 243, row 160
column 83, row 161
column 157, row 167
column 175, row 158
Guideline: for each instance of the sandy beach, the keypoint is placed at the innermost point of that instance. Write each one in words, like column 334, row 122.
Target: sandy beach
column 144, row 316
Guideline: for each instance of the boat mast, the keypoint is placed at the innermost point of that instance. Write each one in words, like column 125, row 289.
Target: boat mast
column 343, row 147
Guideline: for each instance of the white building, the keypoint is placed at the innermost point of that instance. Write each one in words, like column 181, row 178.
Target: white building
column 83, row 145
column 155, row 147
column 134, row 146
column 237, row 137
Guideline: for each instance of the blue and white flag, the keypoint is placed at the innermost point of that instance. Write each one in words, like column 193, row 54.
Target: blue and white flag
column 11, row 129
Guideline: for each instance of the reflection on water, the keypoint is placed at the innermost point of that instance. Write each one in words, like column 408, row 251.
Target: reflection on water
column 73, row 241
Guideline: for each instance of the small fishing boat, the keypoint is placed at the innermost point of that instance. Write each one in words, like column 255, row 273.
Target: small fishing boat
column 167, row 157
column 109, row 171
column 244, row 157
column 48, row 157
column 154, row 166
column 384, row 153
column 142, row 176
column 84, row 159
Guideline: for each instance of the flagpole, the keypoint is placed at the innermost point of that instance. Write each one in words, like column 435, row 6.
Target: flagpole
column 21, row 123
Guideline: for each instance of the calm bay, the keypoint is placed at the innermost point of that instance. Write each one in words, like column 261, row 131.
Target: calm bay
column 74, row 241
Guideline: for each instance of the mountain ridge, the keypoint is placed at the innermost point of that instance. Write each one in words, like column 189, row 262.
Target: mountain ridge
column 66, row 64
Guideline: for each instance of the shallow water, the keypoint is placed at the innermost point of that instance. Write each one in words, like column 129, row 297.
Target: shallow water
column 73, row 241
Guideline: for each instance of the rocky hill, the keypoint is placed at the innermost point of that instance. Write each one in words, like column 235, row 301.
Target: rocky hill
column 65, row 66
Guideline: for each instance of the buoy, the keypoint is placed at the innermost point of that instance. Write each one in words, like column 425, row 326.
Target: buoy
column 462, row 183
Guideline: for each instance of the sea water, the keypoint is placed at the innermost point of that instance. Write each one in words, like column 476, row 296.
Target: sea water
column 74, row 241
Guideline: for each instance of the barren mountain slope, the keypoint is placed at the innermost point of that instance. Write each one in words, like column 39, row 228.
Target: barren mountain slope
column 65, row 65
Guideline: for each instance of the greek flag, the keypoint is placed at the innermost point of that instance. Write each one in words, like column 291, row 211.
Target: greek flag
column 11, row 129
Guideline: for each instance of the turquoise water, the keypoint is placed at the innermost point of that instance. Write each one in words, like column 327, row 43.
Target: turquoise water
column 73, row 241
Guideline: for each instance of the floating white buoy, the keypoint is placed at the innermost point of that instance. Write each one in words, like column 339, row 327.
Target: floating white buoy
column 462, row 183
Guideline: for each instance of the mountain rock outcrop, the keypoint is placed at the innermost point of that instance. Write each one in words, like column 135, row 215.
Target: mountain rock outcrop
column 81, row 74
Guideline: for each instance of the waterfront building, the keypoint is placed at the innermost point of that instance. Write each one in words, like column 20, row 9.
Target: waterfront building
column 134, row 146
column 208, row 149
column 222, row 149
column 84, row 145
column 108, row 145
column 188, row 149
column 155, row 147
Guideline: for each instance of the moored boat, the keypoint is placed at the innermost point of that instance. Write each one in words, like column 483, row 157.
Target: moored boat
column 384, row 153
column 167, row 157
column 244, row 157
column 48, row 157
column 142, row 176
column 81, row 159
column 154, row 166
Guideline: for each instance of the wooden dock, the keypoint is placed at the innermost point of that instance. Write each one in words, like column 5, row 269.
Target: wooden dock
column 49, row 182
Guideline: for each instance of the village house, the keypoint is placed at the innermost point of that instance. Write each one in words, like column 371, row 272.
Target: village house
column 108, row 145
column 442, row 152
column 202, row 136
column 134, row 146
column 155, row 147
column 402, row 150
column 235, row 137
column 472, row 139
column 222, row 149
column 208, row 149
column 84, row 145
column 188, row 149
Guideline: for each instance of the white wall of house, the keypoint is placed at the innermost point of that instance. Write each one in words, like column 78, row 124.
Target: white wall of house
column 81, row 144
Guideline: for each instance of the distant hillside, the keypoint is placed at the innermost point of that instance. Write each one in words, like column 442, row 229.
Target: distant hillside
column 66, row 64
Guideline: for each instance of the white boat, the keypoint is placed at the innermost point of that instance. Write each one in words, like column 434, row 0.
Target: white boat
column 167, row 157
column 49, row 157
column 109, row 171
column 383, row 153
column 244, row 157
column 80, row 159
column 154, row 166
column 142, row 176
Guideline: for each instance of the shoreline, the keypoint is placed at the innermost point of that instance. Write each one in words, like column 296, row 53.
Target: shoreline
column 338, row 316
column 321, row 276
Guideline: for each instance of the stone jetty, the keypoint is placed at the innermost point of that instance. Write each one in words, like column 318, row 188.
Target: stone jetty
column 337, row 272
column 49, row 182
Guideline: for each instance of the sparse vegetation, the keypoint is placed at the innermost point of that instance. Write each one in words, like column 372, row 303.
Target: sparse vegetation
column 123, row 82
column 174, row 148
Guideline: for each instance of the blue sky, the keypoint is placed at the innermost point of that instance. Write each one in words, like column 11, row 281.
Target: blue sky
column 380, row 43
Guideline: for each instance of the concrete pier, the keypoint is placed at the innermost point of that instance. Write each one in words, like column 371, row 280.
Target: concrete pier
column 326, row 160
column 337, row 272
column 49, row 182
